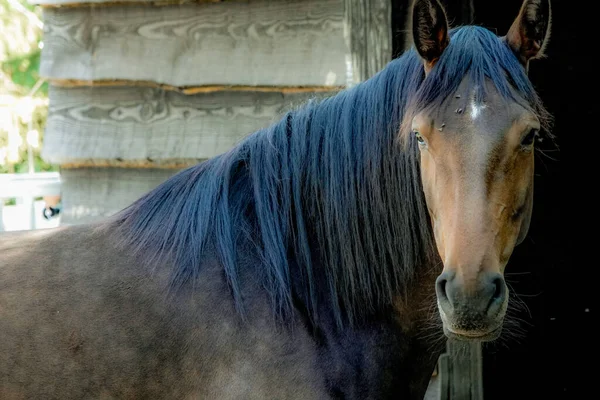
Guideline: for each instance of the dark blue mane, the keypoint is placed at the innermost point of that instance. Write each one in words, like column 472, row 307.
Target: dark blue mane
column 327, row 198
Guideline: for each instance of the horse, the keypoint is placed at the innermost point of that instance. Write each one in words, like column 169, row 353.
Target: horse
column 329, row 255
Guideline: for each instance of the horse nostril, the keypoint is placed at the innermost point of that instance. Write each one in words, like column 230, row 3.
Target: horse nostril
column 499, row 291
column 499, row 296
column 441, row 288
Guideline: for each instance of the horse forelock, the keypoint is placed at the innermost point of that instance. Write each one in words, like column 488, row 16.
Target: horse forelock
column 479, row 55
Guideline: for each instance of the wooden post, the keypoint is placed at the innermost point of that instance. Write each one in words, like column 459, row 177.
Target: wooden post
column 369, row 36
column 444, row 376
column 465, row 370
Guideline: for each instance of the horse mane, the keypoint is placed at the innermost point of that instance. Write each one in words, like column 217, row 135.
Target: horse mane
column 327, row 197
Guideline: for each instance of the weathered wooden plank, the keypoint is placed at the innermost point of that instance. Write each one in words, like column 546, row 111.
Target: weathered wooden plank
column 67, row 83
column 282, row 43
column 137, row 126
column 88, row 3
column 90, row 194
column 369, row 36
column 465, row 365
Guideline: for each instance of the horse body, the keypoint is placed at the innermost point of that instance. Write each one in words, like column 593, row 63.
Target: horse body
column 102, row 327
column 327, row 256
column 105, row 322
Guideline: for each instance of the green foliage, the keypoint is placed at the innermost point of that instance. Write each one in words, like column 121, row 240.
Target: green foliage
column 23, row 71
column 20, row 27
column 23, row 96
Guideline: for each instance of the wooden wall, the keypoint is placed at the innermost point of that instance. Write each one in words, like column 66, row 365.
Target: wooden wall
column 124, row 125
column 140, row 89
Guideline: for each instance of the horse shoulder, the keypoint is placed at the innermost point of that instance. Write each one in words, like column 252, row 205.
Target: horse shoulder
column 78, row 310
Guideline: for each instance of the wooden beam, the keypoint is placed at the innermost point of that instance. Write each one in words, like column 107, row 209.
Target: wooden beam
column 253, row 43
column 109, row 3
column 68, row 83
column 369, row 34
column 90, row 194
column 146, row 127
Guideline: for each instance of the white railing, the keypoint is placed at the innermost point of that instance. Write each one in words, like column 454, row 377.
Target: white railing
column 27, row 187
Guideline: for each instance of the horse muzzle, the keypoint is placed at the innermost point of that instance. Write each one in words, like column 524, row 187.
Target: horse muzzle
column 472, row 312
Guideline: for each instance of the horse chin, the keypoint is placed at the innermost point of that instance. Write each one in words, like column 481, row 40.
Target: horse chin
column 473, row 336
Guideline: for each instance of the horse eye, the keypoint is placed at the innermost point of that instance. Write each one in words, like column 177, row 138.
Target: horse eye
column 419, row 138
column 528, row 140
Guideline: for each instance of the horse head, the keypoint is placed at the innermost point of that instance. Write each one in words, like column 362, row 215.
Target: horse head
column 477, row 164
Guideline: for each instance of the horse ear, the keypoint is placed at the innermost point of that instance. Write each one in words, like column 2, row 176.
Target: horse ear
column 530, row 31
column 430, row 30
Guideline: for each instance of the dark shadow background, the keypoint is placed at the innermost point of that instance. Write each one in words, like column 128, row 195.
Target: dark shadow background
column 552, row 271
